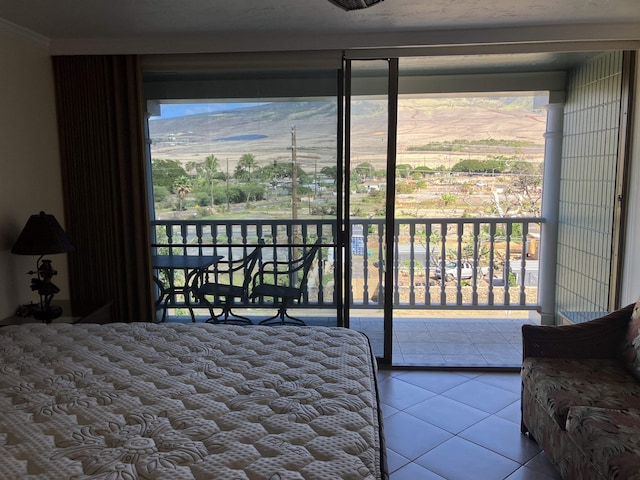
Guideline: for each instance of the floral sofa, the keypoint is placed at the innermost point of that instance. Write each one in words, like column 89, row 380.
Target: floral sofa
column 581, row 395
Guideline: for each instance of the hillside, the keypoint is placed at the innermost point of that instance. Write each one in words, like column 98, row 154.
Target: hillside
column 265, row 131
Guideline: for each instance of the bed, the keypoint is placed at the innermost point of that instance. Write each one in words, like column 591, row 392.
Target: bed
column 178, row 401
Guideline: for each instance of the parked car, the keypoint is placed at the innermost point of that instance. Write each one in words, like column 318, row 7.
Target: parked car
column 451, row 270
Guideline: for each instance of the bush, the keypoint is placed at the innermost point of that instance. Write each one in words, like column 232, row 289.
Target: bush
column 160, row 193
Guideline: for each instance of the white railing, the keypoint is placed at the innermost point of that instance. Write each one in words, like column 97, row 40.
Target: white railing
column 439, row 263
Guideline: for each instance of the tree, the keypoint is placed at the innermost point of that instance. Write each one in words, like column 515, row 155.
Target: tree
column 208, row 172
column 280, row 171
column 243, row 172
column 423, row 171
column 404, row 170
column 447, row 201
column 164, row 173
column 492, row 166
column 245, row 166
column 365, row 170
column 469, row 166
column 330, row 172
column 526, row 189
column 182, row 187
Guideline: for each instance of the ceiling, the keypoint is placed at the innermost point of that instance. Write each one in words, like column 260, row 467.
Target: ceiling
column 170, row 26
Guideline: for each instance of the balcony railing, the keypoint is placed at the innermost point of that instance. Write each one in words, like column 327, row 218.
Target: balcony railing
column 438, row 263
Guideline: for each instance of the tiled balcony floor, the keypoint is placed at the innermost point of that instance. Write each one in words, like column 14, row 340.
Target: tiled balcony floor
column 450, row 341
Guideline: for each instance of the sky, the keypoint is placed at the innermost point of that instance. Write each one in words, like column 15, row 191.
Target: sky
column 171, row 110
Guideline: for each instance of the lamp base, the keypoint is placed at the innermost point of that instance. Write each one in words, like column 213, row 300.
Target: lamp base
column 48, row 314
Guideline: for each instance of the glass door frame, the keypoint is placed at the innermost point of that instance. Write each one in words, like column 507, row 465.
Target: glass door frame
column 390, row 233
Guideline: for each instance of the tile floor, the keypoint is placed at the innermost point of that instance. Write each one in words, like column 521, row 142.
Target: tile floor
column 450, row 342
column 457, row 425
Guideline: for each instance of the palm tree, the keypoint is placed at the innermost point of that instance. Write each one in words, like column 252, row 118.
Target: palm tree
column 246, row 164
column 208, row 171
column 182, row 186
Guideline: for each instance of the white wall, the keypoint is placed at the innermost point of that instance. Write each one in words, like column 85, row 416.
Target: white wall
column 631, row 272
column 30, row 164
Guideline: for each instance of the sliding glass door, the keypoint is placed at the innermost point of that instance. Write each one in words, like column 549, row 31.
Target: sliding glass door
column 370, row 124
column 241, row 157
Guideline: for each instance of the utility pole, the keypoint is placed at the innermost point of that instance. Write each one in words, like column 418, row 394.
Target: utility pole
column 228, row 203
column 294, row 175
column 315, row 179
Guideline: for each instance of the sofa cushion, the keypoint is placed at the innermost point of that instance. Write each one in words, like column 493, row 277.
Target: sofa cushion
column 631, row 348
column 558, row 384
column 609, row 438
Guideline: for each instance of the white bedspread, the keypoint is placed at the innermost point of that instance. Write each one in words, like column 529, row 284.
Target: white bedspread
column 142, row 400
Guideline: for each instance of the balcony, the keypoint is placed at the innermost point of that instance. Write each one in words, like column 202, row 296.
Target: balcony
column 478, row 277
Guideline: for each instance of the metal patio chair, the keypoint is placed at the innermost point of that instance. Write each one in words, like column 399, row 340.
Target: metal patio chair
column 223, row 290
column 295, row 273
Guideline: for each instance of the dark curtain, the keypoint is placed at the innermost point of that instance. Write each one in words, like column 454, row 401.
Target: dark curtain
column 102, row 148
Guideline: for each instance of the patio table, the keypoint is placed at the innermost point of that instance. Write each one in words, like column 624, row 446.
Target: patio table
column 193, row 265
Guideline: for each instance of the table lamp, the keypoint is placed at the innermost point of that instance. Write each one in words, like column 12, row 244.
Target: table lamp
column 42, row 235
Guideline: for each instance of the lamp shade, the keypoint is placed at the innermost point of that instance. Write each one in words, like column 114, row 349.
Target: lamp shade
column 354, row 4
column 42, row 235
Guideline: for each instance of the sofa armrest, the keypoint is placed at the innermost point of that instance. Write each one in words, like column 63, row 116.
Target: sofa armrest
column 599, row 338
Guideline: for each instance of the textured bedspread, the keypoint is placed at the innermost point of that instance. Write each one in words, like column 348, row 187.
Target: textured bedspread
column 142, row 400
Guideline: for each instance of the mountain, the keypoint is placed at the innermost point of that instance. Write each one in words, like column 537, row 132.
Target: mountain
column 266, row 131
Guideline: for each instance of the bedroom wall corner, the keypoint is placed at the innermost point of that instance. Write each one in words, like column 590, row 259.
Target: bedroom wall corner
column 30, row 179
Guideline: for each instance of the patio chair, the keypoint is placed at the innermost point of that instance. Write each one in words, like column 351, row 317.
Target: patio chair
column 295, row 272
column 223, row 290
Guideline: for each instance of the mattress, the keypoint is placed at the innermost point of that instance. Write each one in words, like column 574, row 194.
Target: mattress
column 178, row 401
